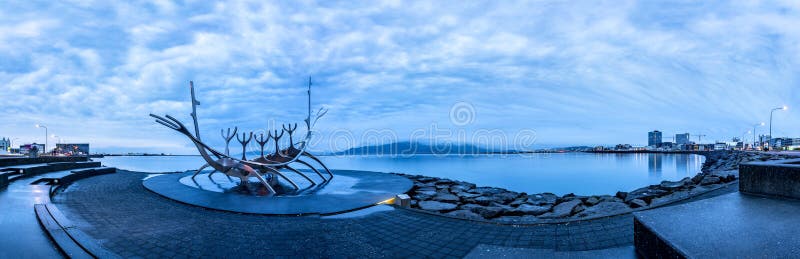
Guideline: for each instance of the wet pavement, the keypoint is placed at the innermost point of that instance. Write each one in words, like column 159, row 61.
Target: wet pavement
column 20, row 233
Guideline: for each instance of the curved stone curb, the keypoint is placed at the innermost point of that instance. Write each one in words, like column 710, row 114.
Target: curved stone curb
column 65, row 236
column 570, row 220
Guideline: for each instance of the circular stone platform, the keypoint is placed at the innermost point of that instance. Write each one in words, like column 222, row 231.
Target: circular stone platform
column 349, row 190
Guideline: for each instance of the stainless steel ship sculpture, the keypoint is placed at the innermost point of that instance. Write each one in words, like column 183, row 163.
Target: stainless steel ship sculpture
column 266, row 168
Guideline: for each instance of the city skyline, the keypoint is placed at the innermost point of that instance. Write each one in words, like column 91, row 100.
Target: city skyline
column 575, row 73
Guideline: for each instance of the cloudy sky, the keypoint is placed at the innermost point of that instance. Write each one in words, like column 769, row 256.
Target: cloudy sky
column 567, row 72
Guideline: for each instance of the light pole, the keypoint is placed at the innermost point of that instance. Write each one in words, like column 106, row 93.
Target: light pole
column 45, row 137
column 754, row 133
column 769, row 141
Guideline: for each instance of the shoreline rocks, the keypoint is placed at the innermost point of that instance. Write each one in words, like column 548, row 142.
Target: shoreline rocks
column 467, row 200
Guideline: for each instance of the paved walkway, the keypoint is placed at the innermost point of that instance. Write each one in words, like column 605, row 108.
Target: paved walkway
column 20, row 233
column 131, row 221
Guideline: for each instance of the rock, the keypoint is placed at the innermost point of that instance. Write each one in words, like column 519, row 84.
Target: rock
column 486, row 212
column 542, row 199
column 697, row 178
column 426, row 179
column 443, row 186
column 467, row 195
column 437, row 206
column 637, row 203
column 483, row 200
column 423, row 185
column 605, row 208
column 564, row 209
column 645, row 194
column 578, row 209
column 609, row 198
column 447, row 182
column 424, row 195
column 622, row 195
column 708, row 180
column 488, row 190
column 467, row 214
column 445, row 197
column 518, row 201
column 461, row 187
column 527, row 209
column 671, row 186
column 505, row 197
column 591, row 201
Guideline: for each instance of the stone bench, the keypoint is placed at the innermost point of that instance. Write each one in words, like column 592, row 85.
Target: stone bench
column 771, row 178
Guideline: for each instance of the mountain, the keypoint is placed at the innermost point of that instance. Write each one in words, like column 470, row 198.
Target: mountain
column 410, row 148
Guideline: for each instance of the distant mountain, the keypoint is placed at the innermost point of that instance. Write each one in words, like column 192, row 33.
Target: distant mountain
column 411, row 148
column 574, row 149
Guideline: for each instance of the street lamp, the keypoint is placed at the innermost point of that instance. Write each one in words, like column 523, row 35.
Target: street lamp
column 12, row 144
column 769, row 142
column 754, row 133
column 45, row 137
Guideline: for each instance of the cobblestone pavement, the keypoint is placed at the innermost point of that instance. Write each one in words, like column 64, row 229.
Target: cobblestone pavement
column 133, row 222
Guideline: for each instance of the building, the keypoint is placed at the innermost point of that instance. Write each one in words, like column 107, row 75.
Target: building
column 654, row 138
column 25, row 149
column 72, row 149
column 5, row 144
column 682, row 139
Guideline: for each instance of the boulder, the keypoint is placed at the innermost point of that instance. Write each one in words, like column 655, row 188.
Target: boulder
column 443, row 186
column 488, row 190
column 437, row 206
column 426, row 179
column 505, row 197
column 542, row 199
column 637, row 203
column 461, row 187
column 591, row 201
column 484, row 200
column 424, row 195
column 467, row 195
column 708, row 180
column 467, row 214
column 518, row 201
column 445, row 197
column 671, row 186
column 605, row 208
column 622, row 195
column 563, row 209
column 527, row 209
column 645, row 194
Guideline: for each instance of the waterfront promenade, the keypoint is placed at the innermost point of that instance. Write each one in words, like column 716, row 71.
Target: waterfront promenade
column 131, row 221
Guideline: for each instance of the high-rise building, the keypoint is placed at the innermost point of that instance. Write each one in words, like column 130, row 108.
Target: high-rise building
column 682, row 139
column 654, row 138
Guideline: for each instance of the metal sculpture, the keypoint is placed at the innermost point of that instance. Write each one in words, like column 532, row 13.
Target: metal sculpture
column 266, row 168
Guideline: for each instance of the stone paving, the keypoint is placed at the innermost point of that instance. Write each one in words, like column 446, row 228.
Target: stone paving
column 133, row 222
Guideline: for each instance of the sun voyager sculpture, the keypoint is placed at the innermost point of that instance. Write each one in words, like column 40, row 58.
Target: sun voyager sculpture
column 269, row 169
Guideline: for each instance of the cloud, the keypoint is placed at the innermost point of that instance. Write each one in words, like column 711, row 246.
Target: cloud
column 599, row 72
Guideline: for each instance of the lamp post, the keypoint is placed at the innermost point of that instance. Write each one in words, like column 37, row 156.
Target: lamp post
column 754, row 133
column 769, row 141
column 45, row 136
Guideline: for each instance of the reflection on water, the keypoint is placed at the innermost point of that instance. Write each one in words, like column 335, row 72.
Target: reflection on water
column 579, row 173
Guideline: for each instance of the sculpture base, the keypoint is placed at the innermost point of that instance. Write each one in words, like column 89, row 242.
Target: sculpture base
column 348, row 191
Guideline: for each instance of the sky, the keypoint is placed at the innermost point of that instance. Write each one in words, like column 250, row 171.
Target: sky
column 524, row 74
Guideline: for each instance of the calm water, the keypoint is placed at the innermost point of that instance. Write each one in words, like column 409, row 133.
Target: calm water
column 579, row 173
